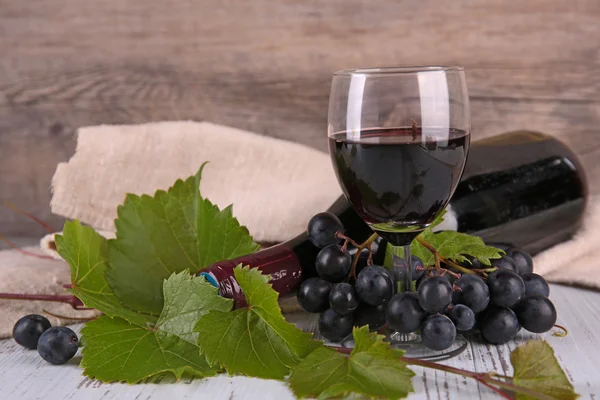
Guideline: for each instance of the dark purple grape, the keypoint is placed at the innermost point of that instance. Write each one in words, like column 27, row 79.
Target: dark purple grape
column 471, row 291
column 536, row 314
column 535, row 285
column 343, row 299
column 378, row 247
column 404, row 314
column 522, row 259
column 333, row 263
column 504, row 263
column 58, row 345
column 435, row 293
column 313, row 295
column 391, row 277
column 498, row 325
column 438, row 332
column 420, row 281
column 450, row 278
column 374, row 285
column 431, row 273
column 417, row 267
column 374, row 316
column 472, row 263
column 462, row 316
column 335, row 327
column 28, row 329
column 506, row 287
column 322, row 229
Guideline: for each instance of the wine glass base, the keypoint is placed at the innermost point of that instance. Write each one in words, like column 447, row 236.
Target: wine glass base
column 400, row 340
column 413, row 346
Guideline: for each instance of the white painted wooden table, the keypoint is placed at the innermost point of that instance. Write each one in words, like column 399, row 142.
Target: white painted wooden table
column 23, row 375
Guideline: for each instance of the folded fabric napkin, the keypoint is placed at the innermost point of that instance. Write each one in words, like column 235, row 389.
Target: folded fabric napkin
column 275, row 186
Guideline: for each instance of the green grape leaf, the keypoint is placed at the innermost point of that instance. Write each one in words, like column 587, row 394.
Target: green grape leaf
column 116, row 350
column 449, row 244
column 87, row 254
column 537, row 368
column 170, row 232
column 454, row 246
column 438, row 220
column 373, row 370
column 254, row 341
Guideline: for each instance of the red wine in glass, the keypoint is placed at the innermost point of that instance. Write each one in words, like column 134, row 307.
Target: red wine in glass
column 399, row 177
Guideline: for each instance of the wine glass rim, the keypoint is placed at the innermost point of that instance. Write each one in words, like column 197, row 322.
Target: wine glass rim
column 398, row 70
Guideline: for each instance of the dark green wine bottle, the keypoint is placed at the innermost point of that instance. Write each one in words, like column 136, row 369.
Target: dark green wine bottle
column 521, row 189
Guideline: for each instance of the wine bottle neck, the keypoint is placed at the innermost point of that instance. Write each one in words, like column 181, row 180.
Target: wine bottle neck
column 287, row 264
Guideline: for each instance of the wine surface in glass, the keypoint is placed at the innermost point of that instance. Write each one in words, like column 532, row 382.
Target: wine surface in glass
column 399, row 179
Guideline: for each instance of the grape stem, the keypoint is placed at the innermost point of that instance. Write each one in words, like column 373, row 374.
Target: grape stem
column 359, row 248
column 456, row 288
column 496, row 375
column 485, row 378
column 564, row 332
column 439, row 258
column 495, row 389
column 444, row 270
column 71, row 300
column 25, row 252
column 485, row 271
column 28, row 215
column 347, row 240
column 345, row 245
column 436, row 255
column 488, row 379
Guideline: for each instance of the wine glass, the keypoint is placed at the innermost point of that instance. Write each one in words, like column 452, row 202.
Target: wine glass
column 398, row 139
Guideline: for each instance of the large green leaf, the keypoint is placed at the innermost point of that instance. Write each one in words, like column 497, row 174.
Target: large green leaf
column 255, row 341
column 116, row 350
column 169, row 232
column 373, row 369
column 187, row 298
column 87, row 254
column 537, row 368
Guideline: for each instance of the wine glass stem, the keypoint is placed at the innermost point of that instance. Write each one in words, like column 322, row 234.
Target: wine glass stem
column 402, row 264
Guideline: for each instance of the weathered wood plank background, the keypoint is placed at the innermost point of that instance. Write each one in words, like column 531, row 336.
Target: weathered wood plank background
column 265, row 66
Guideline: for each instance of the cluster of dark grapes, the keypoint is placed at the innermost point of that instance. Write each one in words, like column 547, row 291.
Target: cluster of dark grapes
column 343, row 302
column 57, row 345
column 511, row 297
column 445, row 302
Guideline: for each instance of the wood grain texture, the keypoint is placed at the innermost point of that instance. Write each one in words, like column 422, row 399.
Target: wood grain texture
column 24, row 376
column 265, row 67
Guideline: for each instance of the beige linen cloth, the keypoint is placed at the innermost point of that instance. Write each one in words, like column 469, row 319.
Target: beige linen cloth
column 275, row 186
